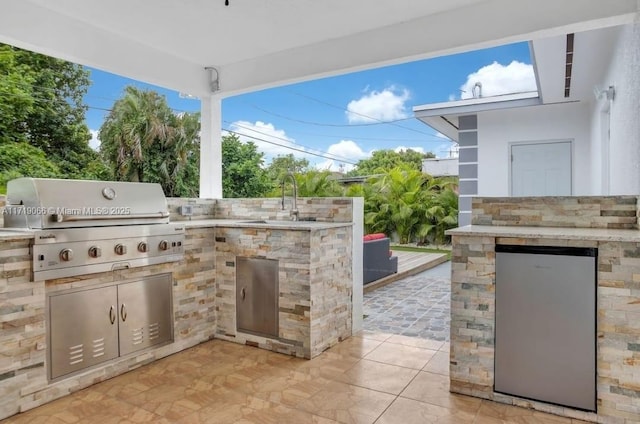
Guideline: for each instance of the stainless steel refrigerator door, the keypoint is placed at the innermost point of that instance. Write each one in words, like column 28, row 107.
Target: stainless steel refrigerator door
column 546, row 328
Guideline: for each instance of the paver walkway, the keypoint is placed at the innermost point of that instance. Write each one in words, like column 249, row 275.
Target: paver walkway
column 416, row 306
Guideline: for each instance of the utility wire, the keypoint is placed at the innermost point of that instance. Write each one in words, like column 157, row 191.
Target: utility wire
column 323, row 124
column 286, row 147
column 335, row 157
column 410, row 140
column 380, row 121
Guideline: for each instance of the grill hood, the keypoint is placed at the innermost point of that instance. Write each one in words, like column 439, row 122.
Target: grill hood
column 44, row 203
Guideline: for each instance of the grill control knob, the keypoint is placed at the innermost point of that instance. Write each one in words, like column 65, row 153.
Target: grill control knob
column 143, row 247
column 95, row 252
column 120, row 249
column 164, row 245
column 66, row 255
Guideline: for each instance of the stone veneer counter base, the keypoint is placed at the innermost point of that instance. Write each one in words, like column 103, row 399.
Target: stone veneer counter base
column 316, row 284
column 617, row 238
column 554, row 233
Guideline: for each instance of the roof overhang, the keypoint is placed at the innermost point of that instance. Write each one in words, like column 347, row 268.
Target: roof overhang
column 589, row 61
column 259, row 44
column 443, row 117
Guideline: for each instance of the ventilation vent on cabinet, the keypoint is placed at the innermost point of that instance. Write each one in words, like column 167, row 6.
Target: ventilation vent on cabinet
column 98, row 347
column 137, row 336
column 76, row 354
column 154, row 331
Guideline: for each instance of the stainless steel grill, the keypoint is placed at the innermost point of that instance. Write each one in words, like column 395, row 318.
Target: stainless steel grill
column 83, row 227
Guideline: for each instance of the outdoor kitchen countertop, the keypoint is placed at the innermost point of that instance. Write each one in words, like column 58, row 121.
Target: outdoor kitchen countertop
column 260, row 223
column 7, row 234
column 564, row 233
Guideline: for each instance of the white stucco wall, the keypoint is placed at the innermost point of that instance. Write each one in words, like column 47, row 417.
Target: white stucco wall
column 440, row 167
column 624, row 146
column 497, row 129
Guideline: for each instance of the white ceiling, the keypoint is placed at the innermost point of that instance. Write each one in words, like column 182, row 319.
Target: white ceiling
column 591, row 57
column 262, row 43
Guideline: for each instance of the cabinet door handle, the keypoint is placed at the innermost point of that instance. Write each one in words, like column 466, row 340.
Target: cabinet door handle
column 242, row 293
column 112, row 314
column 123, row 312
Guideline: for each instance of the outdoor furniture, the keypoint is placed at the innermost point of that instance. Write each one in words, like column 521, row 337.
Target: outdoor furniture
column 378, row 261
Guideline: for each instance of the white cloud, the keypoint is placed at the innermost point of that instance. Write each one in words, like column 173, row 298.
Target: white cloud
column 375, row 106
column 497, row 79
column 347, row 149
column 94, row 143
column 265, row 131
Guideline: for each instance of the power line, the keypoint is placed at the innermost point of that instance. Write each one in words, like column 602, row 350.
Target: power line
column 286, row 147
column 335, row 157
column 380, row 121
column 322, row 124
column 411, row 140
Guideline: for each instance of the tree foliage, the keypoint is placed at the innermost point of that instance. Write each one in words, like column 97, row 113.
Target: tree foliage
column 20, row 160
column 318, row 184
column 411, row 205
column 243, row 174
column 283, row 164
column 384, row 160
column 41, row 103
column 143, row 140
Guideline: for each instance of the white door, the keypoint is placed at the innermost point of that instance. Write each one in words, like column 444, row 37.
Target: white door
column 541, row 169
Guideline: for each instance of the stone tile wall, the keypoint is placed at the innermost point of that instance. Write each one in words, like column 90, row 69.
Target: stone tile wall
column 201, row 208
column 3, row 201
column 619, row 212
column 619, row 331
column 23, row 377
column 312, row 282
column 618, row 326
column 331, row 288
column 327, row 209
column 22, row 326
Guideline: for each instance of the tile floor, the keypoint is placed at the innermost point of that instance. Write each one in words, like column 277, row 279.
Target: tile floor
column 369, row 378
column 382, row 375
column 416, row 306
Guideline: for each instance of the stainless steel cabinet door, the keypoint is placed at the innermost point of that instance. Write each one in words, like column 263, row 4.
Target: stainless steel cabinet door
column 257, row 296
column 83, row 329
column 144, row 312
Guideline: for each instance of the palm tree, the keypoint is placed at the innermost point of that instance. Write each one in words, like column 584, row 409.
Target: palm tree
column 317, row 184
column 399, row 202
column 136, row 121
column 180, row 146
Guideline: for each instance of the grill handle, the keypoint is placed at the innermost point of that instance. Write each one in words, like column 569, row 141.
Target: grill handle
column 70, row 218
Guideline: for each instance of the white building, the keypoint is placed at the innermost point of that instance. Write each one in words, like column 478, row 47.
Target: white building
column 440, row 167
column 579, row 134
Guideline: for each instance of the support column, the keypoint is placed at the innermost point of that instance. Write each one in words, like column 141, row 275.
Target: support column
column 467, row 166
column 211, row 147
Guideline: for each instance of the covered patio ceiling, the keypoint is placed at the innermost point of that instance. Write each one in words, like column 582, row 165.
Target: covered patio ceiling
column 258, row 44
column 255, row 44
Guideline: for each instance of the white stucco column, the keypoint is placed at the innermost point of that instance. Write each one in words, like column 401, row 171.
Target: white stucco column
column 357, row 269
column 211, row 147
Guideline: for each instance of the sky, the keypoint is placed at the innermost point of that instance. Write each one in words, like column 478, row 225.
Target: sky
column 334, row 122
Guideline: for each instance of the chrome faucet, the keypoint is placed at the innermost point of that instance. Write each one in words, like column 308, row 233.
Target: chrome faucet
column 294, row 207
